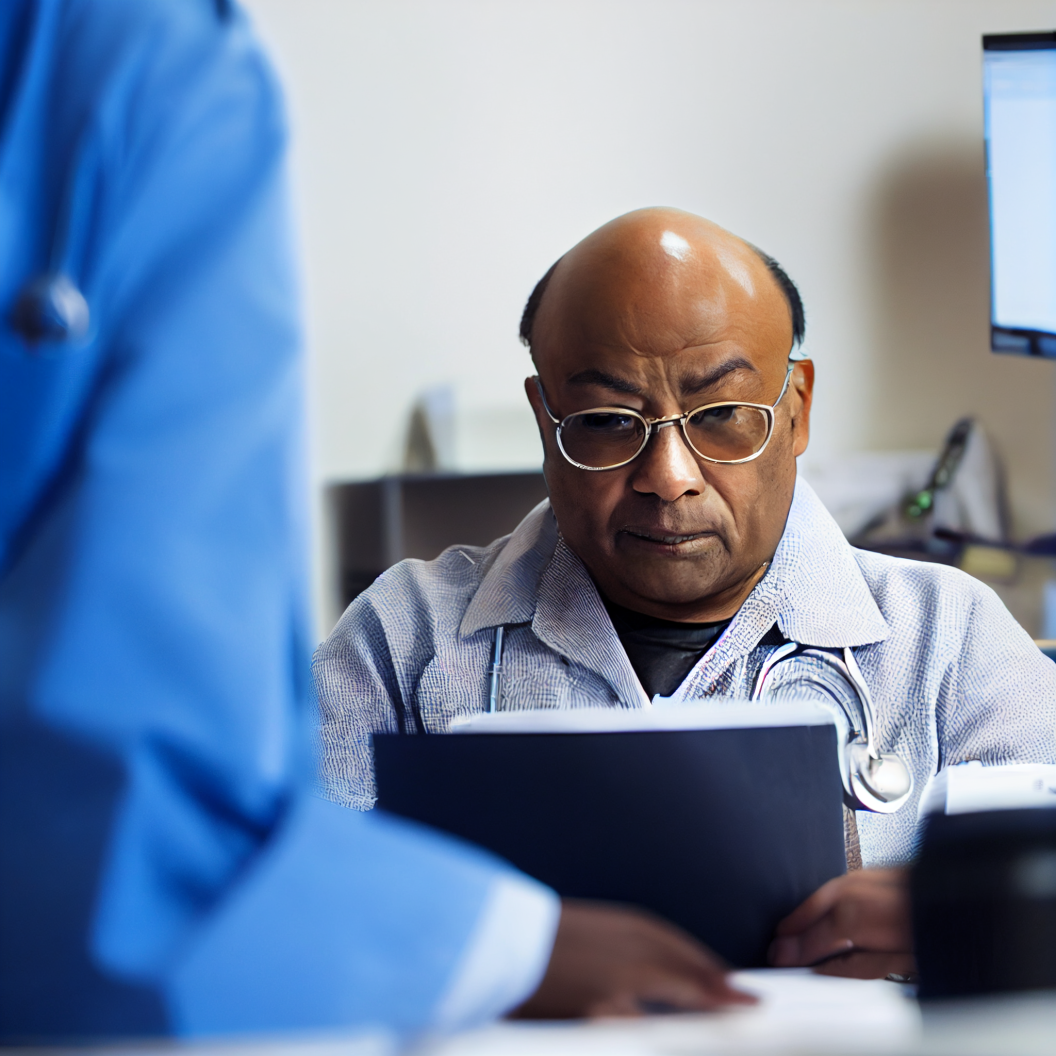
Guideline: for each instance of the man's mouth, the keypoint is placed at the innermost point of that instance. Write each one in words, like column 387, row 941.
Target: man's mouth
column 666, row 538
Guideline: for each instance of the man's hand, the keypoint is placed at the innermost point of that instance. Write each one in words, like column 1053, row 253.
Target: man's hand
column 617, row 961
column 857, row 925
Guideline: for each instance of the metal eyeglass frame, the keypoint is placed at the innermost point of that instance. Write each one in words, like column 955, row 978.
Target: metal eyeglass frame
column 656, row 424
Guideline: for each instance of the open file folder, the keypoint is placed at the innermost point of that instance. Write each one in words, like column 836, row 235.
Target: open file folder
column 721, row 818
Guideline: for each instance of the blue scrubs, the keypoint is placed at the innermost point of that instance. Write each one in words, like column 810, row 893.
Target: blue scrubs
column 164, row 866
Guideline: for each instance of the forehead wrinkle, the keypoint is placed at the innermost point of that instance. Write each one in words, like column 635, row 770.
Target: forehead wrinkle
column 697, row 381
column 687, row 382
column 651, row 327
column 593, row 376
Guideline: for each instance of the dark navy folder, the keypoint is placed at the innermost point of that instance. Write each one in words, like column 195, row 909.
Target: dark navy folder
column 723, row 831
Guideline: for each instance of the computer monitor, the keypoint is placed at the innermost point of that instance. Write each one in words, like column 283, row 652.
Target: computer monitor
column 1019, row 78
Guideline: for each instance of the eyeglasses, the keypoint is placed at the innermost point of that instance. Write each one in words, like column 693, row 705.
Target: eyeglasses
column 610, row 437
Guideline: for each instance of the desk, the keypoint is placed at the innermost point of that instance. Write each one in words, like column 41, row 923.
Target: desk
column 799, row 1014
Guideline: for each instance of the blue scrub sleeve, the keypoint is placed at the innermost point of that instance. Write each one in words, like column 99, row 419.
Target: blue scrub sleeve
column 347, row 918
column 154, row 624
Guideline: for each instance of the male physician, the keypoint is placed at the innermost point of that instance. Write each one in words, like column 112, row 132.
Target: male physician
column 670, row 560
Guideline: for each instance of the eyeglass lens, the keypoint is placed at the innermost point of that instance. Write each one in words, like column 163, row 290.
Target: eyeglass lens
column 604, row 438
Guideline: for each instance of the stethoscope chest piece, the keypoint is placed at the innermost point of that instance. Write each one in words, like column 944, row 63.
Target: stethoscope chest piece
column 872, row 780
column 50, row 309
column 880, row 784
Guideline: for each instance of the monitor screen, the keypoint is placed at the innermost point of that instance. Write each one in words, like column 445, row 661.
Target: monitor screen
column 1019, row 77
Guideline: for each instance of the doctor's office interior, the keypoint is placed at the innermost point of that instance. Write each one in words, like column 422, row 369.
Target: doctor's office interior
column 753, row 725
column 446, row 154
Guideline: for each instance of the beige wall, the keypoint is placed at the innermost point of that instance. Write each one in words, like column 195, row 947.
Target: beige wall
column 448, row 150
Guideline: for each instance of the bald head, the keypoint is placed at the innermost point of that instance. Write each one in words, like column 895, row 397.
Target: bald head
column 670, row 317
column 675, row 232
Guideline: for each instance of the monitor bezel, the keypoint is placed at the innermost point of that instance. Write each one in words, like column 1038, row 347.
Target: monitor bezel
column 1039, row 41
column 1016, row 341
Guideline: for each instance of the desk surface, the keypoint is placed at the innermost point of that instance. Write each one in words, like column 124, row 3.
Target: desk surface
column 798, row 1013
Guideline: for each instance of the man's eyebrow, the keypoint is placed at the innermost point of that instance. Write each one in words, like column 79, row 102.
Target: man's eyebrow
column 707, row 378
column 591, row 376
column 689, row 383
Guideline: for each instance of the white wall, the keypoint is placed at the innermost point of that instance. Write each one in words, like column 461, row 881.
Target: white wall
column 447, row 151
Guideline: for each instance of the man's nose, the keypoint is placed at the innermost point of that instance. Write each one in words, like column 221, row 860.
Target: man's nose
column 667, row 467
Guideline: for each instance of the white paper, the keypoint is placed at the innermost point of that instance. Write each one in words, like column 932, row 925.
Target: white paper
column 972, row 787
column 730, row 715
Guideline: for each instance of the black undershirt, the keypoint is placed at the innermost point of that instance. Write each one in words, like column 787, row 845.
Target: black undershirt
column 662, row 652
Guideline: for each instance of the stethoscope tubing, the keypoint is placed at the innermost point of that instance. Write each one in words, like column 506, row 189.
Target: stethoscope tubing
column 495, row 676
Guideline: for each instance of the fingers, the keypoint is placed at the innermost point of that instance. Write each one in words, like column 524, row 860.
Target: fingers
column 864, row 964
column 686, row 974
column 794, row 951
column 828, row 895
column 668, row 994
column 708, row 991
column 810, row 911
column 666, row 969
column 861, row 919
column 617, row 961
column 863, row 912
column 624, row 1005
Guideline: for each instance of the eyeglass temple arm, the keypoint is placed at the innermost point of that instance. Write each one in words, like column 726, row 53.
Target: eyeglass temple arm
column 784, row 388
column 542, row 396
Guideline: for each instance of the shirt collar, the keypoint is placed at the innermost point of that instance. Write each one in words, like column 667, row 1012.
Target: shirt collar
column 510, row 588
column 537, row 579
column 818, row 591
column 571, row 618
column 814, row 591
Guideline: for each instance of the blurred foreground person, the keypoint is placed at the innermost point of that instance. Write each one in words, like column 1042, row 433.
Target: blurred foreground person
column 165, row 866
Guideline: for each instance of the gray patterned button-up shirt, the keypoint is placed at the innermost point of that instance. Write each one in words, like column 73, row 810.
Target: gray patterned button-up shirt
column 953, row 676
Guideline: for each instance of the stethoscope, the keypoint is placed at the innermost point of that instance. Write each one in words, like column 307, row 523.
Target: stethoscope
column 49, row 310
column 872, row 780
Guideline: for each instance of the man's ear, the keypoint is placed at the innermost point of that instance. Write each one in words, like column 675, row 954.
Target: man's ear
column 803, row 388
column 531, row 390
